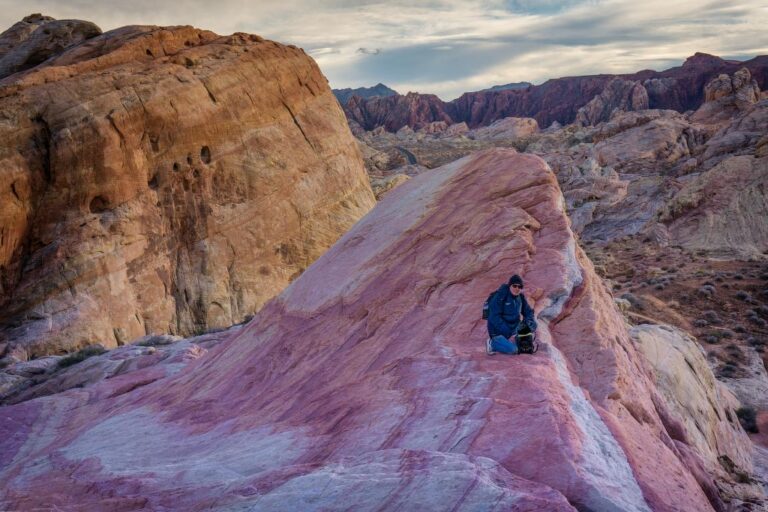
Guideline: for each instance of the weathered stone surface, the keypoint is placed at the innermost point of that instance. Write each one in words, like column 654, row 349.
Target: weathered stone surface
column 507, row 128
column 619, row 95
column 724, row 210
column 20, row 31
column 727, row 95
column 367, row 379
column 165, row 180
column 703, row 411
column 152, row 358
column 37, row 38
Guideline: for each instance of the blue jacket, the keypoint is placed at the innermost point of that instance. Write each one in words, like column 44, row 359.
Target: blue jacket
column 505, row 311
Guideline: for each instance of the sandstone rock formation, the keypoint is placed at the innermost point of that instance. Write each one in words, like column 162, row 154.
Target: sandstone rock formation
column 556, row 100
column 393, row 112
column 701, row 408
column 507, row 128
column 618, row 96
column 164, row 180
column 37, row 38
column 365, row 384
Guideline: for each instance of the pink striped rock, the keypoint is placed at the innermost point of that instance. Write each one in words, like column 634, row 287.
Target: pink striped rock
column 365, row 384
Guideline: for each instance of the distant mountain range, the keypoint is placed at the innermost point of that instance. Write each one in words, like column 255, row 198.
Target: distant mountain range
column 378, row 90
column 556, row 100
column 508, row 87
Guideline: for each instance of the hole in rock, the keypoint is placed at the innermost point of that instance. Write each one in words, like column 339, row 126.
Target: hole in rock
column 189, row 158
column 154, row 141
column 149, row 52
column 176, row 167
column 99, row 204
column 205, row 154
column 188, row 62
column 196, row 173
column 153, row 182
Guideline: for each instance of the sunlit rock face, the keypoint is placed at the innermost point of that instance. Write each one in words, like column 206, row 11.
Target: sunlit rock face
column 164, row 180
column 365, row 384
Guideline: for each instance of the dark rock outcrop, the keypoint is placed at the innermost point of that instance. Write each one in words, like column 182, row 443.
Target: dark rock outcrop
column 37, row 38
column 378, row 90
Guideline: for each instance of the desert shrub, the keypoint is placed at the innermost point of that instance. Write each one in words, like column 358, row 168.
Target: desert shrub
column 707, row 291
column 700, row 322
column 712, row 339
column 81, row 355
column 726, row 333
column 739, row 329
column 156, row 341
column 728, row 370
column 748, row 419
column 660, row 286
column 760, row 322
column 719, row 279
column 633, row 300
column 738, row 277
column 711, row 316
column 742, row 295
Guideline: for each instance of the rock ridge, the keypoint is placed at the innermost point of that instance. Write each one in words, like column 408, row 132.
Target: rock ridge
column 369, row 370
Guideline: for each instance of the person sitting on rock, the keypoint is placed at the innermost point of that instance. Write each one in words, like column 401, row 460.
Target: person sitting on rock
column 509, row 313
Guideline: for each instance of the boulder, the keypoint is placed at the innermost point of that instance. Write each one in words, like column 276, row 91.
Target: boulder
column 165, row 180
column 507, row 128
column 37, row 38
column 366, row 385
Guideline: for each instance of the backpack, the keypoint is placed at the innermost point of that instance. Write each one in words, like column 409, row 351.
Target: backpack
column 487, row 305
column 526, row 340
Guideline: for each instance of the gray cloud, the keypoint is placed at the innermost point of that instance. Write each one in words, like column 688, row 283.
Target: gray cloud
column 451, row 46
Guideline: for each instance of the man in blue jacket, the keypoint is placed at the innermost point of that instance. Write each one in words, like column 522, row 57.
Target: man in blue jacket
column 508, row 313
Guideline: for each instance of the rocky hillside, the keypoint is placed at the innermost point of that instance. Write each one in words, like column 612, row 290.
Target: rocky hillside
column 557, row 100
column 164, row 180
column 365, row 384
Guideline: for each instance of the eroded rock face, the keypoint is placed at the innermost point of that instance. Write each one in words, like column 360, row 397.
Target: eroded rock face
column 164, row 180
column 618, row 96
column 369, row 371
column 507, row 128
column 37, row 38
column 702, row 416
column 724, row 210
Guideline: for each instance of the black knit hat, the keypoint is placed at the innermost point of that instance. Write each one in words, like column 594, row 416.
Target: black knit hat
column 515, row 279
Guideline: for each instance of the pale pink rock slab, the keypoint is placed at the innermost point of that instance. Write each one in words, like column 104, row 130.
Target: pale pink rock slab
column 375, row 354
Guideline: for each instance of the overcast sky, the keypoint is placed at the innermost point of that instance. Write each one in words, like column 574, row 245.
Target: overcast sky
column 448, row 47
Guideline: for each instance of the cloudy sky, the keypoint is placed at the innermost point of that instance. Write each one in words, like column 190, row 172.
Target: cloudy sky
column 447, row 47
